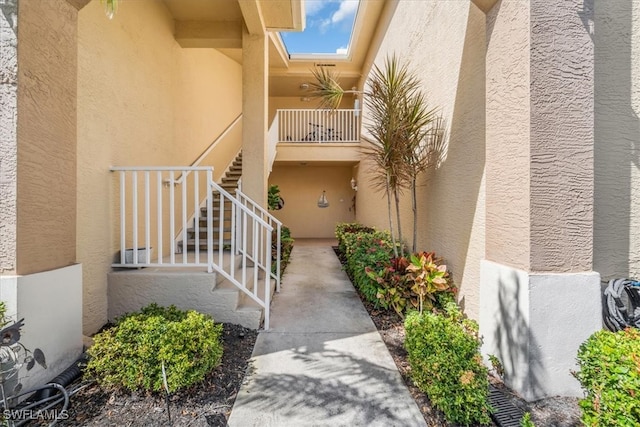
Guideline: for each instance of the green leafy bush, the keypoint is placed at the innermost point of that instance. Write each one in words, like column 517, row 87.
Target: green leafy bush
column 388, row 282
column 610, row 375
column 367, row 252
column 131, row 353
column 446, row 364
column 346, row 228
column 286, row 246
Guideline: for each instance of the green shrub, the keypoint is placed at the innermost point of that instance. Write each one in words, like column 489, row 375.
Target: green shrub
column 131, row 353
column 610, row 375
column 446, row 364
column 345, row 228
column 367, row 252
column 286, row 246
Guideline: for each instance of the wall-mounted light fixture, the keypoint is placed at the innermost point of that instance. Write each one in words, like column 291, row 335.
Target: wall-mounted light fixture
column 304, row 86
column 322, row 201
column 354, row 184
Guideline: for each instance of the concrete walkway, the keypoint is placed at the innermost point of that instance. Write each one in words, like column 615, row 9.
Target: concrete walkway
column 322, row 363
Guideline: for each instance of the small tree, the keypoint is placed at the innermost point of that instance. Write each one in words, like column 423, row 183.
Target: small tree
column 406, row 137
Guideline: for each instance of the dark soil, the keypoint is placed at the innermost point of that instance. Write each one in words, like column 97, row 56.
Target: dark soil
column 206, row 404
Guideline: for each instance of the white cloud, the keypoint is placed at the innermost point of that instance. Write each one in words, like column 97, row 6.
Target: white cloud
column 346, row 10
column 312, row 7
column 342, row 50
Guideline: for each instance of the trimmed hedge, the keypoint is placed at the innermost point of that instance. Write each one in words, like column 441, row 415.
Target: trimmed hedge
column 446, row 364
column 130, row 354
column 610, row 375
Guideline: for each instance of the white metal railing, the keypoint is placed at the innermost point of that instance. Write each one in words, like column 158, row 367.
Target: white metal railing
column 272, row 140
column 320, row 125
column 273, row 222
column 235, row 243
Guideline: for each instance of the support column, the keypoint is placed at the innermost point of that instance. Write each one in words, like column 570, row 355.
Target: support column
column 539, row 298
column 38, row 70
column 255, row 98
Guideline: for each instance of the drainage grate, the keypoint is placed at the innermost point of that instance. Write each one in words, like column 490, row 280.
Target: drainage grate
column 506, row 413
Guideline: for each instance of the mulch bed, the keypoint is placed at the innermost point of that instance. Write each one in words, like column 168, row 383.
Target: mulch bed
column 554, row 411
column 206, row 404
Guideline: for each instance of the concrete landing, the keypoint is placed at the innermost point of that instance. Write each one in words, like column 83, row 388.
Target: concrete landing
column 322, row 363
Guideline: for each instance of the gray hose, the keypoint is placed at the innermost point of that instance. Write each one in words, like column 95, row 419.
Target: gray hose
column 621, row 307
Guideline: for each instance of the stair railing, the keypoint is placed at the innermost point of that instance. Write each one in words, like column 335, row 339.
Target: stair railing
column 152, row 206
column 273, row 222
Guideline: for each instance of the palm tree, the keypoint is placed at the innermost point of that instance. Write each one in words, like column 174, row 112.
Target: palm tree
column 404, row 134
column 424, row 147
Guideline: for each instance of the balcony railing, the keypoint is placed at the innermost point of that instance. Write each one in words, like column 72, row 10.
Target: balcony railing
column 318, row 126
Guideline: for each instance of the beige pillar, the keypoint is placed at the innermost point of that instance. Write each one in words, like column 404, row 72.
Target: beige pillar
column 38, row 73
column 539, row 298
column 38, row 136
column 255, row 97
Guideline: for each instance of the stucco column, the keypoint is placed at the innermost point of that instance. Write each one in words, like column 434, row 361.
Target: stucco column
column 38, row 69
column 255, row 98
column 539, row 296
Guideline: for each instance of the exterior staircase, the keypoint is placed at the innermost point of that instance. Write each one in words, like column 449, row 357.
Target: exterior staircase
column 194, row 287
column 229, row 184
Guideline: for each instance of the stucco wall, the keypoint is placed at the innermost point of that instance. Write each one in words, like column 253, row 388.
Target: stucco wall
column 8, row 134
column 561, row 138
column 301, row 187
column 507, row 133
column 46, row 134
column 444, row 42
column 617, row 140
column 142, row 100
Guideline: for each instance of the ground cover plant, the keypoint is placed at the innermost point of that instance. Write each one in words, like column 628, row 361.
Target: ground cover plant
column 610, row 375
column 134, row 352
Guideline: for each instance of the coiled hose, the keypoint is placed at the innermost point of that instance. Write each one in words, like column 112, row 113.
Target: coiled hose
column 621, row 308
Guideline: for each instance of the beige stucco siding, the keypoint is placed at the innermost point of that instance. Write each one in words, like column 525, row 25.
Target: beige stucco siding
column 8, row 136
column 142, row 101
column 508, row 134
column 46, row 132
column 444, row 43
column 561, row 138
column 301, row 187
column 617, row 140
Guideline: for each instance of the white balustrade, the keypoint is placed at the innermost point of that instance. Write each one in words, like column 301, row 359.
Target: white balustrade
column 319, row 125
column 151, row 198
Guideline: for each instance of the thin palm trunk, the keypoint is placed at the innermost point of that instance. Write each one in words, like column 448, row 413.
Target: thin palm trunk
column 393, row 239
column 414, row 207
column 396, row 196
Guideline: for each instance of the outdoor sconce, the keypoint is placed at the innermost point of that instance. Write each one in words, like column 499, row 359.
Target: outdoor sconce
column 354, row 184
column 322, row 201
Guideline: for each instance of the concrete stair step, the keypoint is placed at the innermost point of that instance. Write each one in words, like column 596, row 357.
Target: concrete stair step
column 187, row 288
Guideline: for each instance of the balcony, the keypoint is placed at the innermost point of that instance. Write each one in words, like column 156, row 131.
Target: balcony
column 315, row 136
column 319, row 126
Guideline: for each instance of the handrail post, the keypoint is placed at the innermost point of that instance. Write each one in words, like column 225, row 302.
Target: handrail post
column 279, row 255
column 210, row 221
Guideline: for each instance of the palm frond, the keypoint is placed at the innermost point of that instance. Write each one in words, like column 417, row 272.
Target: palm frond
column 326, row 88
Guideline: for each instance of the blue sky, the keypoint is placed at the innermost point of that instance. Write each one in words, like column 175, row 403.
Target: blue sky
column 328, row 30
